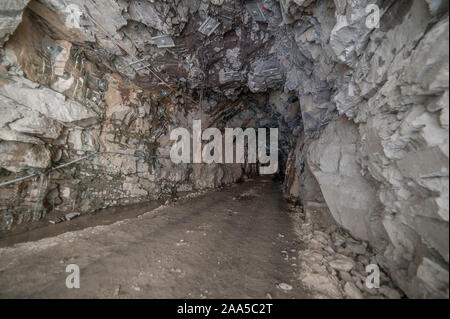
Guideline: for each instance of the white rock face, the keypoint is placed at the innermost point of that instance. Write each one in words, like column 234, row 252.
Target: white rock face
column 352, row 200
column 349, row 35
column 47, row 102
column 37, row 125
column 342, row 264
column 384, row 170
column 10, row 17
column 15, row 156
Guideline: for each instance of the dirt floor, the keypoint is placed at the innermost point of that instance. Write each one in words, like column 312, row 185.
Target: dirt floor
column 238, row 242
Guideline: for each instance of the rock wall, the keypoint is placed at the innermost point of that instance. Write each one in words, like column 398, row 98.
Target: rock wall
column 10, row 17
column 59, row 102
column 96, row 77
column 362, row 109
column 382, row 162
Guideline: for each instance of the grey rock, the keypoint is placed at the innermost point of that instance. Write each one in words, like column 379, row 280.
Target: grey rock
column 352, row 292
column 16, row 157
column 265, row 74
column 346, row 276
column 285, row 287
column 71, row 216
column 437, row 6
column 333, row 161
column 51, row 104
column 10, row 17
column 324, row 285
column 39, row 126
column 355, row 247
column 434, row 278
column 341, row 263
column 338, row 240
column 390, row 292
column 7, row 134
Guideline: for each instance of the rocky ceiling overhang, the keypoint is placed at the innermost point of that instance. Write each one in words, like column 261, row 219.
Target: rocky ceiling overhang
column 222, row 46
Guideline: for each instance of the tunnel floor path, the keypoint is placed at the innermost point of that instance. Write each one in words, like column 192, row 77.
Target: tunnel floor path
column 238, row 242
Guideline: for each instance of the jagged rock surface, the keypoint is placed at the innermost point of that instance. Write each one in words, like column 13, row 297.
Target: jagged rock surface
column 383, row 171
column 362, row 112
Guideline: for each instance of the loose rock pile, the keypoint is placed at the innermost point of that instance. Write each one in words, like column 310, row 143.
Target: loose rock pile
column 332, row 264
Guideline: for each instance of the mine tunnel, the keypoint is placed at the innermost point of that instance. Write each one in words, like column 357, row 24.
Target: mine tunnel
column 117, row 119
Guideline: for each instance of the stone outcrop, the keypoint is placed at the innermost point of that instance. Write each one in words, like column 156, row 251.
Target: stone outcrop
column 332, row 264
column 10, row 17
column 383, row 170
column 17, row 156
column 351, row 198
column 361, row 104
